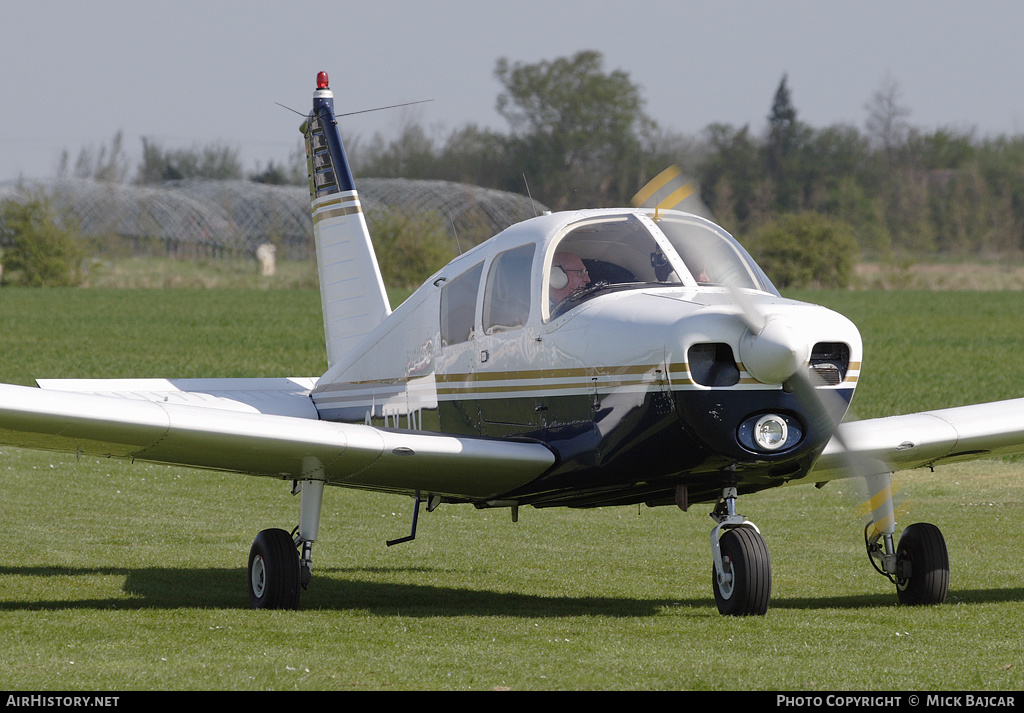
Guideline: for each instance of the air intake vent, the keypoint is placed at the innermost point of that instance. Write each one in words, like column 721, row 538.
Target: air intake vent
column 713, row 365
column 829, row 362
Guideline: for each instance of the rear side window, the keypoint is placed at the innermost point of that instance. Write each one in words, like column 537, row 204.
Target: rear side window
column 507, row 295
column 458, row 306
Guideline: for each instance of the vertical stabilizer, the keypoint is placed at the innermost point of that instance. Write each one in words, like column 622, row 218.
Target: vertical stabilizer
column 351, row 287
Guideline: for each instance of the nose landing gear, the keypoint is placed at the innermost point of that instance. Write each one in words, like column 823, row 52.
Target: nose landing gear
column 742, row 572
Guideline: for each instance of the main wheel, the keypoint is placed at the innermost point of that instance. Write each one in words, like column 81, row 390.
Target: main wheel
column 273, row 571
column 922, row 565
column 745, row 557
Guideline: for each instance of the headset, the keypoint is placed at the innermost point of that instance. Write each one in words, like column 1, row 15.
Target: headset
column 558, row 278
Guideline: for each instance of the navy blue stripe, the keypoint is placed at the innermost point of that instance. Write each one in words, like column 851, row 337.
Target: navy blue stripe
column 324, row 108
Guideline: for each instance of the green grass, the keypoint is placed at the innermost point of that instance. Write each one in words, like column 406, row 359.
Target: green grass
column 117, row 576
column 926, row 349
column 146, row 272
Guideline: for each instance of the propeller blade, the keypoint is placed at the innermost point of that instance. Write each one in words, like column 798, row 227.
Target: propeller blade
column 875, row 495
column 753, row 317
column 671, row 190
column 825, row 409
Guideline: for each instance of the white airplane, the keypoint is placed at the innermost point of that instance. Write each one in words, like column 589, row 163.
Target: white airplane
column 581, row 359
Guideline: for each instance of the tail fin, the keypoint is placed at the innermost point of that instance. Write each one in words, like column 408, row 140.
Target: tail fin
column 351, row 287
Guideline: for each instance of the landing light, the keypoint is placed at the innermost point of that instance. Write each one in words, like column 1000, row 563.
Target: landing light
column 321, row 81
column 771, row 432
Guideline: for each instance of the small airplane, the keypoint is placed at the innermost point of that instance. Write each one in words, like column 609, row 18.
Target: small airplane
column 581, row 359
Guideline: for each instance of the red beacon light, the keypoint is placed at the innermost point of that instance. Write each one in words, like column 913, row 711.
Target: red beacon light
column 321, row 81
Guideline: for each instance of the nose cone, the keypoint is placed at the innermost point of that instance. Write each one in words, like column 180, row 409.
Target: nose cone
column 776, row 352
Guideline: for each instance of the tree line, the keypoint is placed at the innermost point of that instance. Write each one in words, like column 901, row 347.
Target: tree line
column 159, row 164
column 578, row 136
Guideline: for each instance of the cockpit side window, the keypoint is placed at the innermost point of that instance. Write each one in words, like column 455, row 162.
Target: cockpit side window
column 458, row 306
column 507, row 294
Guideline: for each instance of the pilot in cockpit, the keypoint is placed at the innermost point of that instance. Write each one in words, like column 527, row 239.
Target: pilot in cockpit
column 568, row 274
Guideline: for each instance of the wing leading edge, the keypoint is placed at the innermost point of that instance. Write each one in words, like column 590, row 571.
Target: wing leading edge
column 242, row 439
column 268, row 427
column 929, row 438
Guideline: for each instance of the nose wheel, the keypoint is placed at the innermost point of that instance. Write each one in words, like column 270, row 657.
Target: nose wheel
column 742, row 572
column 744, row 585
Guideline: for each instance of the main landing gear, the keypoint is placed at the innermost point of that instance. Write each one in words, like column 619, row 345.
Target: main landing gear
column 919, row 563
column 281, row 564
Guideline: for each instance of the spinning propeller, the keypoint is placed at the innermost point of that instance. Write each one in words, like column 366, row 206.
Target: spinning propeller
column 773, row 350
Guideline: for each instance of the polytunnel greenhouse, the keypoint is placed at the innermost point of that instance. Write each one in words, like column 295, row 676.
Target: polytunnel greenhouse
column 210, row 218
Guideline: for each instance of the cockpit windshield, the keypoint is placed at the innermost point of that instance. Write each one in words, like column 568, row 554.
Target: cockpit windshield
column 619, row 252
column 610, row 253
column 711, row 255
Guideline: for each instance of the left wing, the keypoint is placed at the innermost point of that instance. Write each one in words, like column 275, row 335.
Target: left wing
column 278, row 397
column 924, row 439
column 265, row 427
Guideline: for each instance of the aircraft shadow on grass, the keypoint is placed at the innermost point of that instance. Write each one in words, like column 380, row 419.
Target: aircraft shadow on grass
column 342, row 589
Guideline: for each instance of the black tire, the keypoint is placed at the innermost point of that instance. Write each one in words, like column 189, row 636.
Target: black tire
column 921, row 551
column 273, row 571
column 745, row 554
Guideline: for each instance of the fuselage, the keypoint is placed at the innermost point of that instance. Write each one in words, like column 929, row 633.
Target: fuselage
column 637, row 383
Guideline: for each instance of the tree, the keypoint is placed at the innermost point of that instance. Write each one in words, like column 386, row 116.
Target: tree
column 805, row 250
column 36, row 252
column 576, row 130
column 781, row 128
column 212, row 161
column 410, row 246
column 479, row 157
column 886, row 123
column 276, row 174
column 787, row 153
column 292, row 172
column 730, row 173
column 101, row 165
column 411, row 155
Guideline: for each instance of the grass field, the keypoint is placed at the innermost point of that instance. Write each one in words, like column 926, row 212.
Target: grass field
column 118, row 576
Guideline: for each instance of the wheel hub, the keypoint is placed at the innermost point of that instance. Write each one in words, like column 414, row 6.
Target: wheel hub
column 725, row 578
column 258, row 576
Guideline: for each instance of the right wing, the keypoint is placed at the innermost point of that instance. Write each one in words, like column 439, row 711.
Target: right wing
column 925, row 439
column 229, row 433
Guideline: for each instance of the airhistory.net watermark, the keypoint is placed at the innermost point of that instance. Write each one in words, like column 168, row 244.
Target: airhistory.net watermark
column 57, row 701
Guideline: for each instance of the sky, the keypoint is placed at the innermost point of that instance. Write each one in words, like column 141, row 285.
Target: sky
column 191, row 74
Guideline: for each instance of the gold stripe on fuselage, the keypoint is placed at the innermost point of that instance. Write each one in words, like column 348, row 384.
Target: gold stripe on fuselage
column 536, row 381
column 566, row 373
